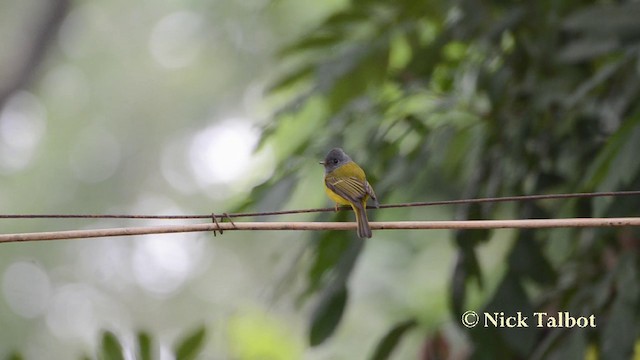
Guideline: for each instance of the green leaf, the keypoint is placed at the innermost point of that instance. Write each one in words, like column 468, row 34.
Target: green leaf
column 602, row 76
column 111, row 349
column 509, row 299
column 144, row 346
column 392, row 338
column 312, row 42
column 291, row 78
column 335, row 251
column 621, row 329
column 527, row 260
column 616, row 164
column 399, row 52
column 189, row 347
column 360, row 68
column 347, row 18
column 467, row 268
column 619, row 19
column 574, row 347
column 327, row 315
column 467, row 240
column 586, row 49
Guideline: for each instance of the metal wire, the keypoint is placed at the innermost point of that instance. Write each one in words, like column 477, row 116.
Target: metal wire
column 301, row 211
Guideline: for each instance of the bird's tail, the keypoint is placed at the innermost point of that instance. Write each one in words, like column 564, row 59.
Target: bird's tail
column 364, row 231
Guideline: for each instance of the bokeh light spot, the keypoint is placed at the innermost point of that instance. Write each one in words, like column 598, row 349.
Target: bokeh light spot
column 162, row 265
column 175, row 170
column 26, row 288
column 72, row 311
column 223, row 152
column 22, row 125
column 177, row 39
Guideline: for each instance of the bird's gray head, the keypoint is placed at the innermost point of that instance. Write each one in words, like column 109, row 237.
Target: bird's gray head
column 334, row 159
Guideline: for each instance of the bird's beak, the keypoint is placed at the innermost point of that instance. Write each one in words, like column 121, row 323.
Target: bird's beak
column 321, row 162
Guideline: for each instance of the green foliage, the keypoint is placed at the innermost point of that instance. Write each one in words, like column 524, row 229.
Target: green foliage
column 335, row 256
column 191, row 345
column 623, row 329
column 435, row 99
column 497, row 343
column 110, row 348
column 188, row 347
column 327, row 315
column 145, row 346
column 258, row 334
column 388, row 343
column 487, row 99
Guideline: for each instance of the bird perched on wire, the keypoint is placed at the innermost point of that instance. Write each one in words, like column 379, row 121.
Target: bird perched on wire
column 346, row 184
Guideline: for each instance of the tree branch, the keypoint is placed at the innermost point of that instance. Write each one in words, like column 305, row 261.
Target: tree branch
column 43, row 34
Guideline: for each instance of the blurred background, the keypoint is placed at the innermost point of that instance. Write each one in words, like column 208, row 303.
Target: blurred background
column 194, row 107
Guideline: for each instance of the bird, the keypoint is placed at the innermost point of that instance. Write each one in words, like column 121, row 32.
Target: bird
column 346, row 184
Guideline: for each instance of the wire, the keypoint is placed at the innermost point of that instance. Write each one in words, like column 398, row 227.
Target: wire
column 315, row 226
column 301, row 211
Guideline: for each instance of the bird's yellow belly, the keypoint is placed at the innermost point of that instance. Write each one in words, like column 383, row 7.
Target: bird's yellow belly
column 335, row 197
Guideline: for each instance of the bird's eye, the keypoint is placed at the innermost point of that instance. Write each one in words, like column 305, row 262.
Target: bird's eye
column 335, row 161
